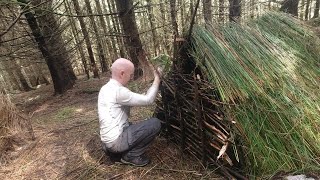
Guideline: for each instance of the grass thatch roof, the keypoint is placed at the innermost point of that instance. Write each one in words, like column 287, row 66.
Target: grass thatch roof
column 266, row 75
column 270, row 70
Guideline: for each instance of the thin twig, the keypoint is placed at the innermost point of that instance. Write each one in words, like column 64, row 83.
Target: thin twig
column 122, row 174
column 181, row 171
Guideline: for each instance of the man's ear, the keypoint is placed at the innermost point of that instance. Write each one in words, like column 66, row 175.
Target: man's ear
column 122, row 73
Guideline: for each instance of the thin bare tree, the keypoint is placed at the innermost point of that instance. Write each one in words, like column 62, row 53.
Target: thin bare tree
column 100, row 46
column 306, row 15
column 207, row 11
column 234, row 10
column 86, row 38
column 316, row 9
column 77, row 40
column 151, row 19
column 105, row 32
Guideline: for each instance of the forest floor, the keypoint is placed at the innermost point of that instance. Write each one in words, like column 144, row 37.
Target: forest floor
column 67, row 144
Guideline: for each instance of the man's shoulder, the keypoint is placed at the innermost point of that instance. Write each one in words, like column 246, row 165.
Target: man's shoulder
column 113, row 87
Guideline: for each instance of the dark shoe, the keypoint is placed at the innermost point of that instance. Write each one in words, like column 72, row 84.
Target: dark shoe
column 139, row 161
column 114, row 157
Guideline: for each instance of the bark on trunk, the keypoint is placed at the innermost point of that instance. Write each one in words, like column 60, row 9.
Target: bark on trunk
column 153, row 30
column 306, row 15
column 86, row 38
column 117, row 28
column 113, row 44
column 77, row 39
column 164, row 44
column 290, row 6
column 133, row 42
column 316, row 9
column 221, row 11
column 105, row 32
column 234, row 10
column 207, row 11
column 100, row 47
column 60, row 68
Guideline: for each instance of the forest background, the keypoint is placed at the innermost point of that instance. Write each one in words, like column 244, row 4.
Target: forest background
column 66, row 47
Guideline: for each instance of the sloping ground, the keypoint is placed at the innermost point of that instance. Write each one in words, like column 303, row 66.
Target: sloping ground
column 67, row 144
column 267, row 72
column 15, row 130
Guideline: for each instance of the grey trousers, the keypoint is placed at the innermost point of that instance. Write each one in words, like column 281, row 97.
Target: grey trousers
column 135, row 138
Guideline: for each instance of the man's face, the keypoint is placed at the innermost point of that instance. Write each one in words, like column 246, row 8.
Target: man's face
column 127, row 75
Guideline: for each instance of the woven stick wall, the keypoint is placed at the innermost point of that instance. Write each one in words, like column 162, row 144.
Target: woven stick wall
column 253, row 86
column 193, row 116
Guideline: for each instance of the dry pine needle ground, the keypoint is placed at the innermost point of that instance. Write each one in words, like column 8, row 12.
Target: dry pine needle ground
column 67, row 142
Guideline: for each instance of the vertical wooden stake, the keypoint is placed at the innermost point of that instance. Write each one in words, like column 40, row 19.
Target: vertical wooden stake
column 201, row 130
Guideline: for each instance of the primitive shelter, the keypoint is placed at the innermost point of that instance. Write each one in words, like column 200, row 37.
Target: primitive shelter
column 245, row 98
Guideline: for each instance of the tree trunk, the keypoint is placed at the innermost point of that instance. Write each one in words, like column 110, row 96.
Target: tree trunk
column 105, row 32
column 316, row 9
column 207, row 11
column 173, row 14
column 153, row 30
column 290, row 6
column 25, row 85
column 86, row 38
column 60, row 68
column 306, row 15
column 234, row 10
column 175, row 28
column 42, row 78
column 77, row 39
column 113, row 45
column 8, row 62
column 24, row 80
column 7, row 77
column 31, row 75
column 133, row 42
column 100, row 47
column 301, row 14
column 17, row 71
column 191, row 8
column 117, row 28
column 14, row 84
column 252, row 4
column 164, row 43
column 221, row 11
column 3, row 87
column 182, row 7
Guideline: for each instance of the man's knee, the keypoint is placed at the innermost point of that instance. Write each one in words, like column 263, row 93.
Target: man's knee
column 156, row 124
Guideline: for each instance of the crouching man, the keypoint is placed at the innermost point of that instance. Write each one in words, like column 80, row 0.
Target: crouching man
column 114, row 101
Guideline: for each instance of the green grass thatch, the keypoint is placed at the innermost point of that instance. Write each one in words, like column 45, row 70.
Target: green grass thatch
column 269, row 70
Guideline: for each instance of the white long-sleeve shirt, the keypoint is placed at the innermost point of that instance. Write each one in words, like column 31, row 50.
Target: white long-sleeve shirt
column 114, row 103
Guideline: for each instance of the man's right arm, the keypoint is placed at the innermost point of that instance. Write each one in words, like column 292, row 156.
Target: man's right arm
column 129, row 98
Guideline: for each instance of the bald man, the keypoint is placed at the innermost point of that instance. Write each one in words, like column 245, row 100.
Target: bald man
column 114, row 102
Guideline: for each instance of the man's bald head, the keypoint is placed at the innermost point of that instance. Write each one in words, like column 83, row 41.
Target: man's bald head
column 121, row 70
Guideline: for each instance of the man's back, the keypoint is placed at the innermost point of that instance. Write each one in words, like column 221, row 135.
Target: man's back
column 112, row 115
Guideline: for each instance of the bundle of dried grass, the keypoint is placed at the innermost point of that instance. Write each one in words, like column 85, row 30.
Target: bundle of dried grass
column 15, row 129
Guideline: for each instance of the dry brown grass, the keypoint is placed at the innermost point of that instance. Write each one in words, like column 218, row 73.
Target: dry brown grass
column 67, row 144
column 15, row 131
